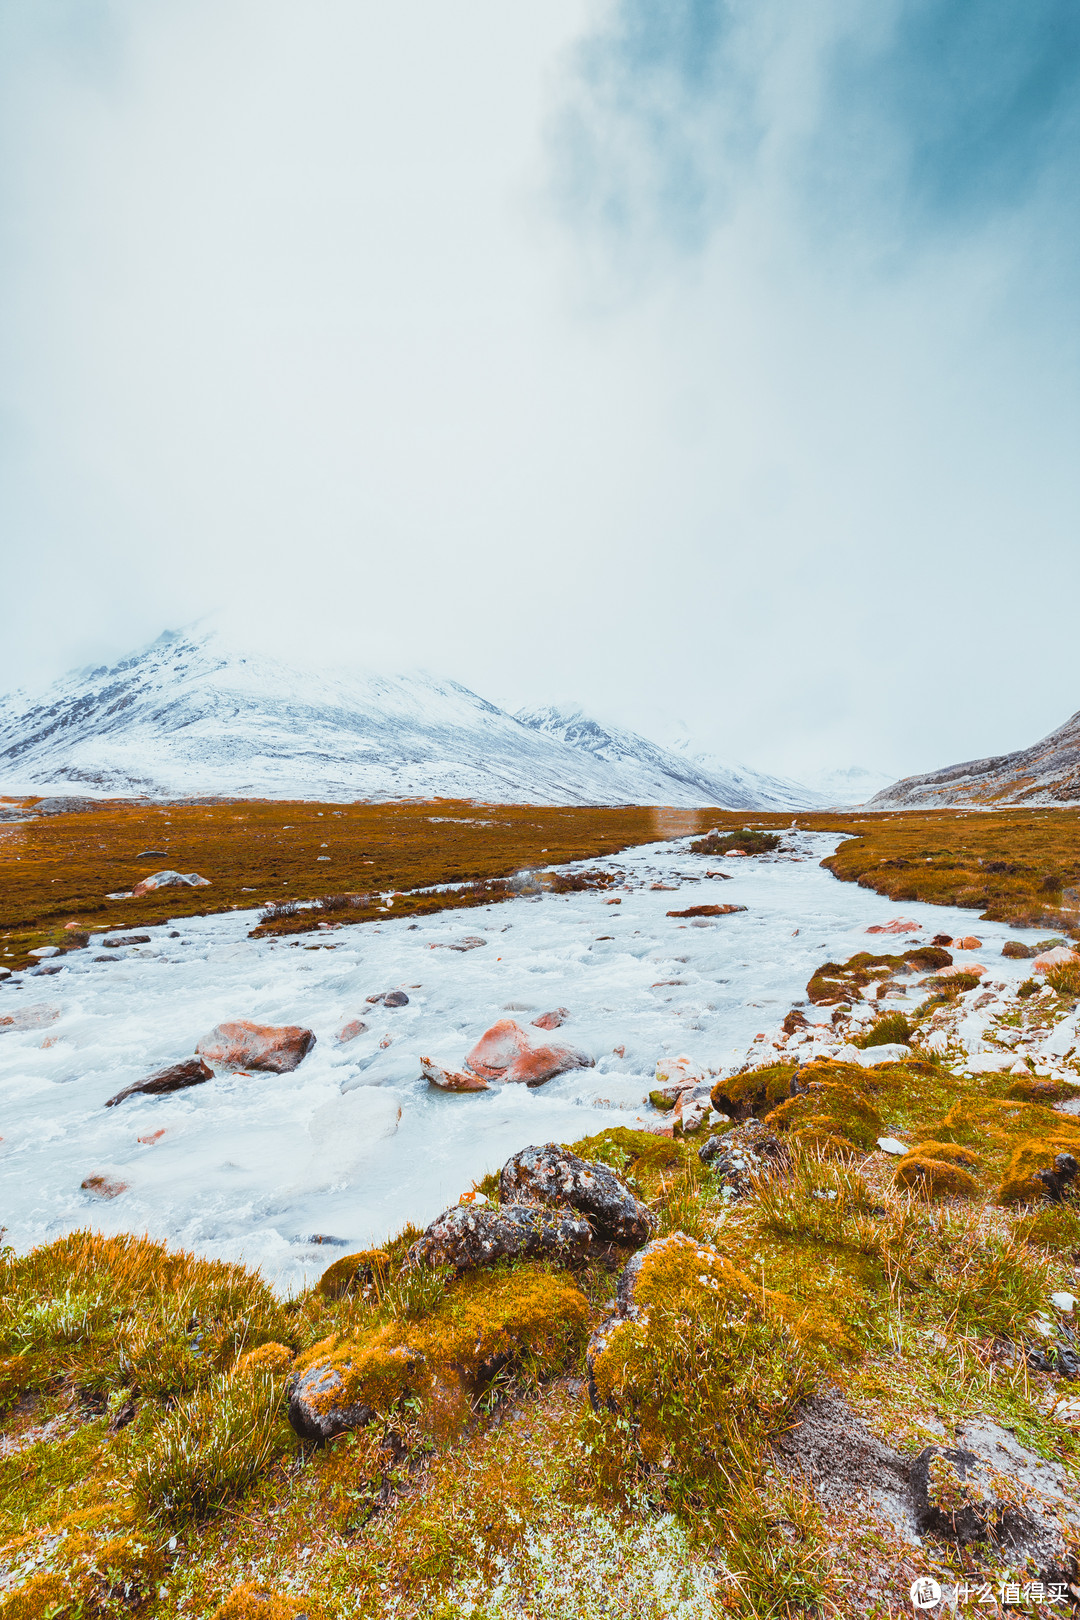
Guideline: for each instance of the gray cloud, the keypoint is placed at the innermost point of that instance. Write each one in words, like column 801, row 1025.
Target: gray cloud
column 713, row 366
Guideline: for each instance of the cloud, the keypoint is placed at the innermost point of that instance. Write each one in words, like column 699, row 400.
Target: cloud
column 714, row 366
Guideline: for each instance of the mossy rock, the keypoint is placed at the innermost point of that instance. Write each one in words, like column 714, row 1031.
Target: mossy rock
column 273, row 1359
column 834, row 1107
column 753, row 1093
column 42, row 1597
column 1020, row 1185
column 661, row 1101
column 1017, row 951
column 1027, row 1088
column 697, row 1311
column 926, row 1170
column 254, row 1602
column 353, row 1272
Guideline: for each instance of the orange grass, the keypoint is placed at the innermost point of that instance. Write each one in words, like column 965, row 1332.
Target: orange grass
column 58, row 869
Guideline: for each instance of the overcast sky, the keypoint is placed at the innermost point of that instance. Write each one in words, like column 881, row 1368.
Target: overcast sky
column 714, row 365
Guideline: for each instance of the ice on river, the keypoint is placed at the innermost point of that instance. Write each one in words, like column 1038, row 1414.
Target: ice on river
column 355, row 1143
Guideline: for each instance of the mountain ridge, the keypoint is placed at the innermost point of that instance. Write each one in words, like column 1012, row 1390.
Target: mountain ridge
column 194, row 713
column 1047, row 773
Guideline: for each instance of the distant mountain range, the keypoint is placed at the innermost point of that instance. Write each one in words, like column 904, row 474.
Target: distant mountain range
column 192, row 714
column 1047, row 773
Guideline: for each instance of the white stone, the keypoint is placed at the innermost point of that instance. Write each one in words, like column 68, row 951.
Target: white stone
column 870, row 1056
column 45, row 950
column 890, row 1144
column 1063, row 1302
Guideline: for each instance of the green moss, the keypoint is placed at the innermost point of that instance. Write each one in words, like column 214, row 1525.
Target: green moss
column 754, row 1092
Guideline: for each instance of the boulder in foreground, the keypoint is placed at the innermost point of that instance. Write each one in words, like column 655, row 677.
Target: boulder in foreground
column 554, row 1176
column 240, row 1044
column 470, row 1235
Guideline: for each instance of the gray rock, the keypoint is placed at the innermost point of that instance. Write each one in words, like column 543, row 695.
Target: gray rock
column 318, row 1408
column 989, row 1487
column 177, row 1077
column 126, row 939
column 553, row 1176
column 741, row 1154
column 470, row 1235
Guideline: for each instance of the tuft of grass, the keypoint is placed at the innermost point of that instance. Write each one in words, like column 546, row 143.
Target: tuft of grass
column 893, row 1027
column 210, row 1449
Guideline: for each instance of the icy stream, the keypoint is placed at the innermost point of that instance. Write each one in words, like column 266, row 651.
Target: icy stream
column 354, row 1143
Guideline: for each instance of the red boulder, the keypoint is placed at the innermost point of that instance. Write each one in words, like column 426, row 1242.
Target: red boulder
column 243, row 1045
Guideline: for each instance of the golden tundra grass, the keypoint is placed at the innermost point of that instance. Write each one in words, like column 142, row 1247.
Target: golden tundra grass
column 1021, row 866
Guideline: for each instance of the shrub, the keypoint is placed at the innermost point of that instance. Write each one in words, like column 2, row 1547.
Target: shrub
column 750, row 842
column 893, row 1027
column 122, row 1310
column 1055, row 1227
column 210, row 1449
column 821, row 1200
column 1064, row 978
column 1030, row 987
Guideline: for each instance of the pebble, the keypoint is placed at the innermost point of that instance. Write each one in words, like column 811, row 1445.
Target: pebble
column 1063, row 1302
column 889, row 1144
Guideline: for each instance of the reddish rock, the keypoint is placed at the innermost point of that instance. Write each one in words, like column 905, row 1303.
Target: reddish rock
column 243, row 1045
column 504, row 1053
column 496, row 1049
column 1060, row 955
column 451, row 1079
column 899, row 925
column 968, row 943
column 177, row 1077
column 537, row 1064
column 103, row 1186
column 552, row 1020
column 706, row 911
column 967, row 967
column 349, row 1032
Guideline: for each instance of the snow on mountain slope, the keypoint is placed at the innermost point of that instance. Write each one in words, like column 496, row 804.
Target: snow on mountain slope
column 192, row 713
column 714, row 781
column 1046, row 773
column 853, row 784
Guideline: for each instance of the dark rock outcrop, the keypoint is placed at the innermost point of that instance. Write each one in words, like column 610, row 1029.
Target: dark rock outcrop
column 553, row 1176
column 470, row 1235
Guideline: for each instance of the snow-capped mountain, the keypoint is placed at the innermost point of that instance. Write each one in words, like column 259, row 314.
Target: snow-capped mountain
column 706, row 778
column 192, row 713
column 1046, row 773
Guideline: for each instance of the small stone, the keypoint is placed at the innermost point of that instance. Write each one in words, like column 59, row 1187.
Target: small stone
column 45, row 950
column 103, row 1186
column 349, row 1031
column 890, row 1144
column 451, row 1079
column 1066, row 1303
column 119, row 940
column 552, row 1020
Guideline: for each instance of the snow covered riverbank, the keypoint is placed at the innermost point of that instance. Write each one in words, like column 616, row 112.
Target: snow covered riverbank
column 354, row 1142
